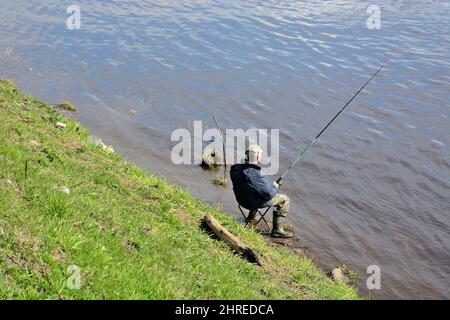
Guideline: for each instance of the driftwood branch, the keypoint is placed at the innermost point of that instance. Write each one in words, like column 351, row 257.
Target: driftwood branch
column 236, row 244
column 223, row 143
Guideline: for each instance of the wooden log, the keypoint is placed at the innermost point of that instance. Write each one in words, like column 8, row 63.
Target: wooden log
column 237, row 245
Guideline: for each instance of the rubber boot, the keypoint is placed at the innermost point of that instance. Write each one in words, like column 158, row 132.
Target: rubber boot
column 278, row 227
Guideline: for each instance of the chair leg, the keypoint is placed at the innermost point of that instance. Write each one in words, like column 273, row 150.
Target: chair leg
column 260, row 213
column 263, row 218
column 245, row 218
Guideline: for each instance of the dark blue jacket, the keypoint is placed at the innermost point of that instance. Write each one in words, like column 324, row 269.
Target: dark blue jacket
column 251, row 188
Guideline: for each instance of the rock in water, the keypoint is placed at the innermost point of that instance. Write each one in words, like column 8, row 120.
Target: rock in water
column 339, row 275
column 220, row 181
column 99, row 143
column 212, row 159
column 109, row 149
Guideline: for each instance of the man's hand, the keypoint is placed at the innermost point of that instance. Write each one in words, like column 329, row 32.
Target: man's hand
column 276, row 185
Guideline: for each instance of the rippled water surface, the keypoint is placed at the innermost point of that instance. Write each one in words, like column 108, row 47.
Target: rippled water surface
column 375, row 190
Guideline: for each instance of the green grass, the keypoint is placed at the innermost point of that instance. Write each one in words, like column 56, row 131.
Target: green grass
column 132, row 235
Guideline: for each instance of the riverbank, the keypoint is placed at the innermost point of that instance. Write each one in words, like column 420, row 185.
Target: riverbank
column 68, row 207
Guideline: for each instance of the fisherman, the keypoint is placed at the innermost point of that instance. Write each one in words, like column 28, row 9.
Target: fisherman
column 253, row 191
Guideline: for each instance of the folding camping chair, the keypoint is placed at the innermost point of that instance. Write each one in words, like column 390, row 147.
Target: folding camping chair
column 260, row 213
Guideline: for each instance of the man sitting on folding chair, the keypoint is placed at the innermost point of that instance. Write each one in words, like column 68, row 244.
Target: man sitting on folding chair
column 253, row 191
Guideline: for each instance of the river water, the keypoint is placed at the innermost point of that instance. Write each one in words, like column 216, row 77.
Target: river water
column 375, row 189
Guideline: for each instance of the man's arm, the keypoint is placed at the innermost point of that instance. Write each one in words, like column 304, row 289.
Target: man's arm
column 262, row 186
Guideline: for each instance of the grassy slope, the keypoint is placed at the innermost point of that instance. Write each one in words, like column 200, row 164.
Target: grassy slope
column 131, row 234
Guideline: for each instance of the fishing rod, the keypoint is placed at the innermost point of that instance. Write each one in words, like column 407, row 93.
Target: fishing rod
column 320, row 133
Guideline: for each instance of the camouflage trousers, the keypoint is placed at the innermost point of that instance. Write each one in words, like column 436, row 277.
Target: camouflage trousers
column 280, row 203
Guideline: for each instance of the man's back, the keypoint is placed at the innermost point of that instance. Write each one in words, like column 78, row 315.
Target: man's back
column 251, row 188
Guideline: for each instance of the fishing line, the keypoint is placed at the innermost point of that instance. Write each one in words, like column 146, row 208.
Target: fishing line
column 325, row 128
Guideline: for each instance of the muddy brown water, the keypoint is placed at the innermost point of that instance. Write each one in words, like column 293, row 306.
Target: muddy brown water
column 375, row 189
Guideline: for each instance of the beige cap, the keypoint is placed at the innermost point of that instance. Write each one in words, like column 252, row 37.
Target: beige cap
column 252, row 152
